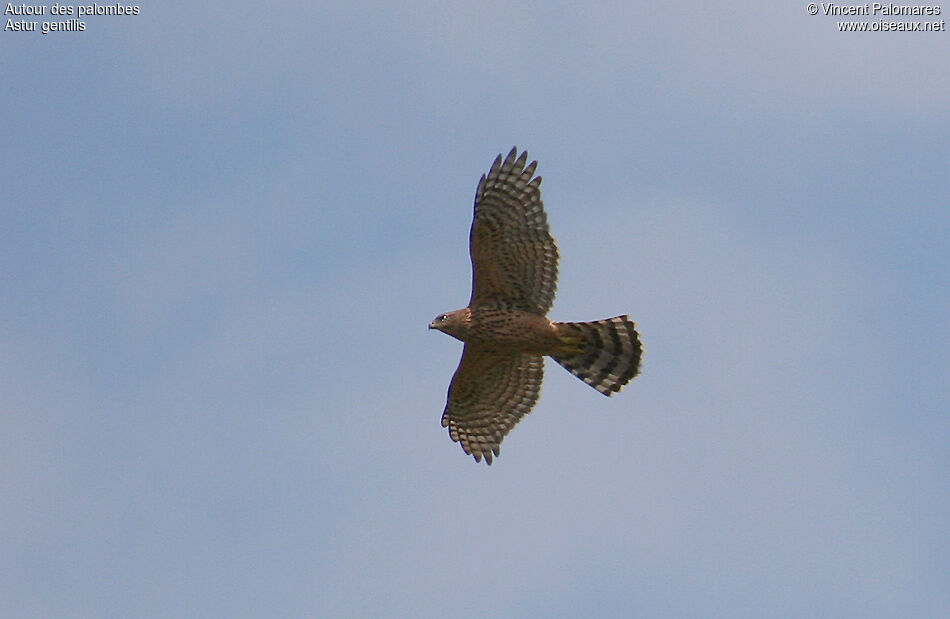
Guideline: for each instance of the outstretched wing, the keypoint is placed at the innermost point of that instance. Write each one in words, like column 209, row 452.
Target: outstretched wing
column 514, row 258
column 489, row 394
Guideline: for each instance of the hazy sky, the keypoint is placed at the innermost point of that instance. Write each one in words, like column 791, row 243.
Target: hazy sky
column 224, row 228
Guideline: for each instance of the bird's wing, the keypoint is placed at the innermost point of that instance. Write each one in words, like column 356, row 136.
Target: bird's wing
column 489, row 394
column 514, row 257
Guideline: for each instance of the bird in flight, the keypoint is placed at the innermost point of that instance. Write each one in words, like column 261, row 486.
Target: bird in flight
column 505, row 329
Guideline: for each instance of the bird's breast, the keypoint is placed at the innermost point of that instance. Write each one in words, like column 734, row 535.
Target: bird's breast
column 512, row 331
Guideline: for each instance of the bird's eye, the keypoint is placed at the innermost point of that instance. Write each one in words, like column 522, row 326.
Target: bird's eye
column 443, row 318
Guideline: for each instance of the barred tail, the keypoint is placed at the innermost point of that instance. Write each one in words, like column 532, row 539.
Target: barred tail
column 605, row 354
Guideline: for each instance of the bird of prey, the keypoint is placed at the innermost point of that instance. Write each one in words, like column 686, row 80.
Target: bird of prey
column 505, row 329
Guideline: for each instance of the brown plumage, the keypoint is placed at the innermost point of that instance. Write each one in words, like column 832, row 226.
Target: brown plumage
column 505, row 329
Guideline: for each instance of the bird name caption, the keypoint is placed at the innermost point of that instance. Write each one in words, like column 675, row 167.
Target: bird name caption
column 58, row 17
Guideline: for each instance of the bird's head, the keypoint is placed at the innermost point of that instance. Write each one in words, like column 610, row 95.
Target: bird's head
column 452, row 323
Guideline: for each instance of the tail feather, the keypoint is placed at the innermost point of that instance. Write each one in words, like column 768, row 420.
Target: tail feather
column 605, row 354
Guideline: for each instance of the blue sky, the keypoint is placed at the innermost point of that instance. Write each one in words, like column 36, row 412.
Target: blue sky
column 226, row 227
